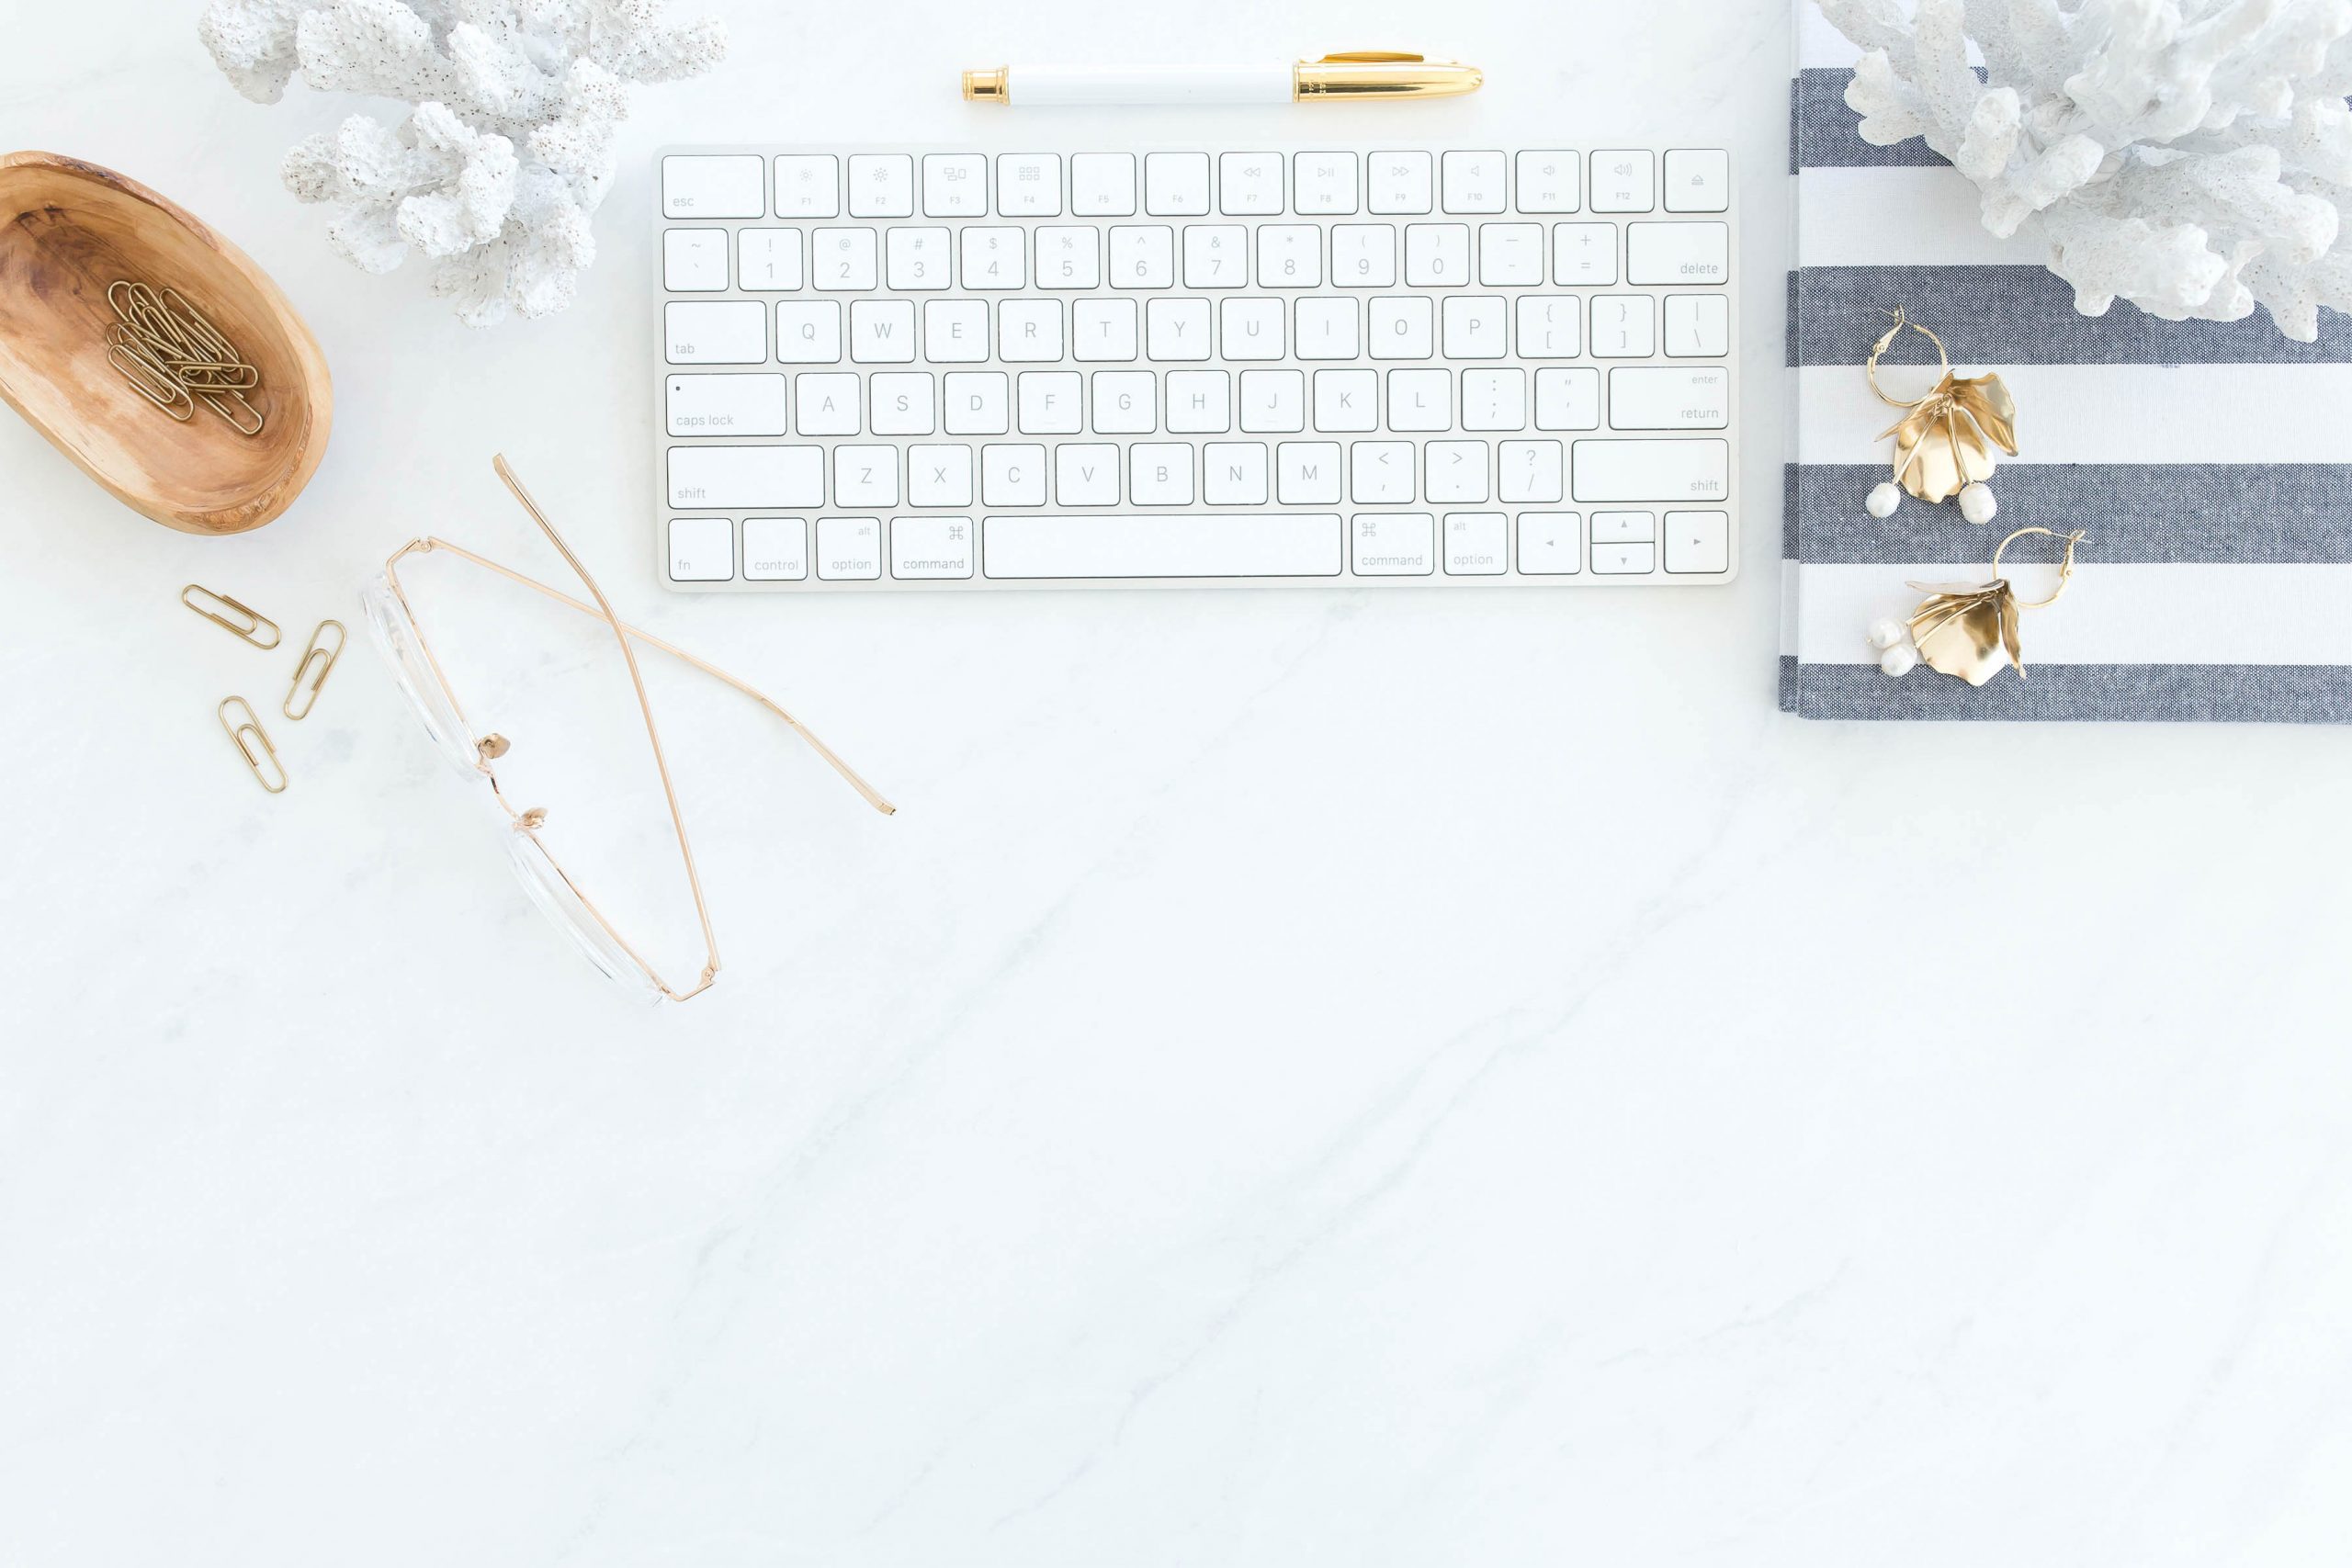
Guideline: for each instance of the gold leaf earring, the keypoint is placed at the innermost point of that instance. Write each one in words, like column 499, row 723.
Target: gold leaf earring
column 1943, row 443
column 1968, row 629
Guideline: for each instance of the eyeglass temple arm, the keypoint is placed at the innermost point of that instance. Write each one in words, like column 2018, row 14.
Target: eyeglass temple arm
column 872, row 796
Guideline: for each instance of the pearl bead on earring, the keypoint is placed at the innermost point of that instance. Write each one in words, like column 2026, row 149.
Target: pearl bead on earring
column 1884, row 500
column 1976, row 502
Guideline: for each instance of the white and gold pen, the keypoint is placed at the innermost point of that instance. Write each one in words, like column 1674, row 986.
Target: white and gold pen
column 1361, row 74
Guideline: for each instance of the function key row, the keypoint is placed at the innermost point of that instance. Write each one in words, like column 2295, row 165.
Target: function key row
column 1190, row 184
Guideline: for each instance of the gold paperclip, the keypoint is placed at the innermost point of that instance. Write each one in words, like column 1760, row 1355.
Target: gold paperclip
column 306, row 685
column 237, row 729
column 253, row 620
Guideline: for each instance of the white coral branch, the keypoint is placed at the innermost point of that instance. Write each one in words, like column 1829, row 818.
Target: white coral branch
column 498, row 171
column 2193, row 157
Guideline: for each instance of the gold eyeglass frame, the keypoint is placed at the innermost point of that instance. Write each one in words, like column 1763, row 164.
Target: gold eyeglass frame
column 489, row 747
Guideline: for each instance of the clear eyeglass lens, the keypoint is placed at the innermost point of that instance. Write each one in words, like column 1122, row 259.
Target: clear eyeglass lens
column 563, row 904
column 395, row 635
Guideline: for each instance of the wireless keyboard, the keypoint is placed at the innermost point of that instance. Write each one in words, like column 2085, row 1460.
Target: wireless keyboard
column 916, row 368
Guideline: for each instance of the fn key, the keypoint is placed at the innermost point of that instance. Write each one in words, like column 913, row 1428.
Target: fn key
column 702, row 549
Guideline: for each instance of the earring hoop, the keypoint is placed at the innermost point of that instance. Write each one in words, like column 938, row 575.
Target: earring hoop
column 2066, row 566
column 1901, row 324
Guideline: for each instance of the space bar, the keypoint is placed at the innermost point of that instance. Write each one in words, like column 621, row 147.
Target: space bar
column 1216, row 544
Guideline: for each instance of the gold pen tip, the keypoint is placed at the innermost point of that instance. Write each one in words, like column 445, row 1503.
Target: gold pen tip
column 984, row 86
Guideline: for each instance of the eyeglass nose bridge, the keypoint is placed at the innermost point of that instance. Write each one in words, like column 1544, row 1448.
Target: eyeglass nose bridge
column 492, row 746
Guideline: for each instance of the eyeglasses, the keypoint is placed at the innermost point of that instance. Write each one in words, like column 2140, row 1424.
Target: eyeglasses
column 404, row 647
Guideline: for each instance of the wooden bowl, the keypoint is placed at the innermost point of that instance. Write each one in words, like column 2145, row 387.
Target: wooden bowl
column 68, row 230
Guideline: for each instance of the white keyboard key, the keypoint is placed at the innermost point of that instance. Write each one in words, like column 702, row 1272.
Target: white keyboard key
column 1697, row 327
column 955, row 184
column 702, row 549
column 930, row 550
column 939, row 475
column 1249, row 328
column 1696, row 182
column 1379, row 473
column 1103, row 330
column 1029, row 332
column 1086, row 474
column 715, row 331
column 1473, row 182
column 1510, row 256
column 739, row 404
column 1420, row 400
column 1625, row 181
column 714, row 185
column 1624, row 326
column 1176, row 329
column 1551, row 543
column 1200, row 402
column 995, row 257
column 1052, row 403
column 1208, row 544
column 808, row 185
column 1290, row 255
column 1306, row 473
column 767, row 260
column 1478, row 544
column 1069, row 256
column 1549, row 326
column 1402, row 326
column 1400, row 182
column 1029, row 184
column 1216, row 255
column 1274, row 402
column 1621, row 528
column 1103, row 184
column 1669, row 397
column 1475, row 327
column 1249, row 185
column 1159, row 473
column 776, row 549
column 882, row 331
column 1494, row 399
column 1437, row 255
column 1567, row 399
column 849, row 548
column 828, row 403
column 1323, row 184
column 1653, row 470
column 917, row 259
column 1393, row 544
column 1681, row 253
column 1698, row 542
column 1363, row 256
column 843, row 258
column 1584, row 254
column 865, row 475
column 1234, row 473
column 881, row 185
column 719, row 479
column 1454, row 471
column 1176, row 185
column 1531, row 470
column 1347, row 399
column 1125, row 402
column 1550, row 182
column 1142, row 256
column 1623, row 561
column 906, row 402
column 693, row 260
column 979, row 402
column 956, row 332
column 1330, row 328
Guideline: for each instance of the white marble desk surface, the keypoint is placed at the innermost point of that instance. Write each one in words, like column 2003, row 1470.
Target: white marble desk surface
column 1386, row 1078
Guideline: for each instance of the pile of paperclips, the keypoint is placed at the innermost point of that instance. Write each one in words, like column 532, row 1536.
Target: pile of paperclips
column 175, row 358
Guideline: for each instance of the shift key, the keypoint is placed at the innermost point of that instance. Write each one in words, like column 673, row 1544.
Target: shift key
column 1651, row 470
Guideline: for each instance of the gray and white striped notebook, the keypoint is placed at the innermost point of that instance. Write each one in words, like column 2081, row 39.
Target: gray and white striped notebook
column 2210, row 464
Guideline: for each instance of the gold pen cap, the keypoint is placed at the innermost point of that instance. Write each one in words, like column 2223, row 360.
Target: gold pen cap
column 1380, row 73
column 986, row 86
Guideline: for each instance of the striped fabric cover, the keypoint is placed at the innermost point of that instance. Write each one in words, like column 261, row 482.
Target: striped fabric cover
column 2210, row 463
